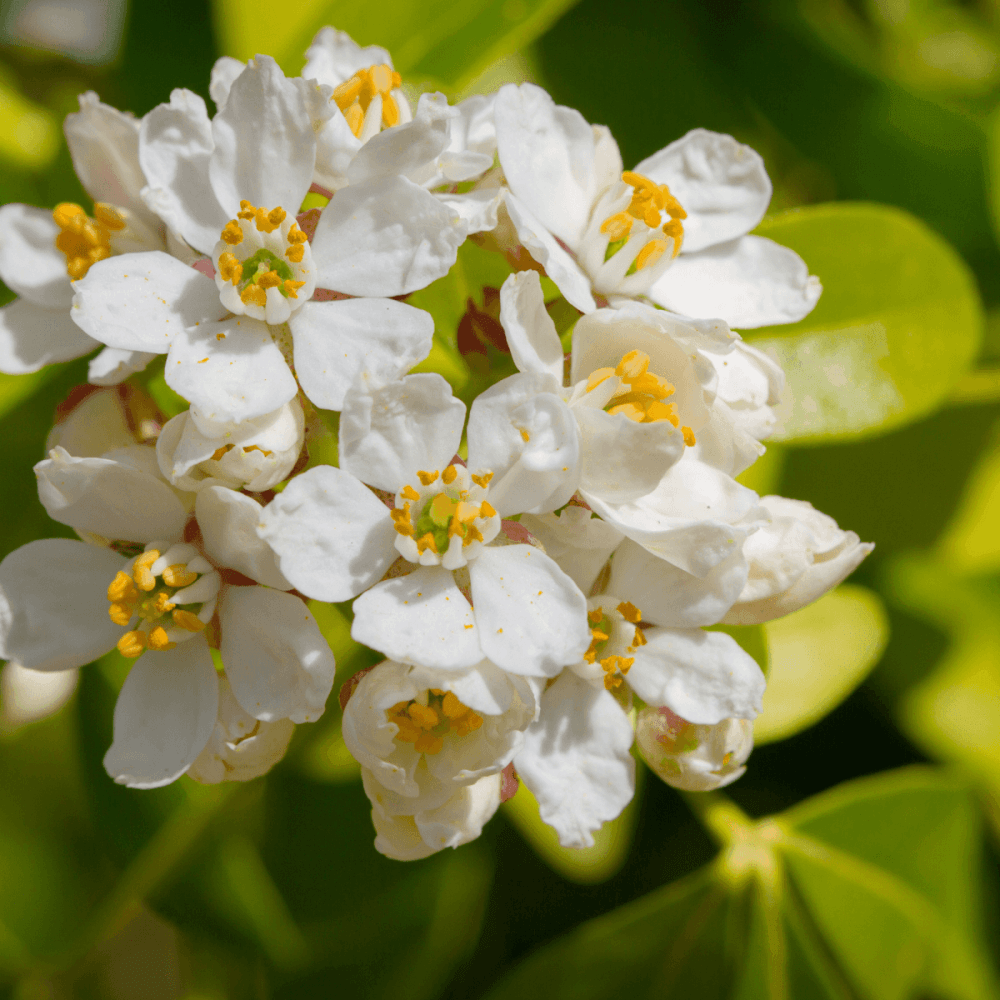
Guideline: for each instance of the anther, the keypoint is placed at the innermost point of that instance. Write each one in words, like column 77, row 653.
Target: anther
column 410, row 493
column 426, row 478
column 159, row 640
column 132, row 644
column 630, row 612
column 449, row 474
column 232, row 233
column 144, row 579
column 109, row 216
column 187, row 621
column 122, row 588
column 689, row 438
column 178, row 576
column 426, row 542
column 650, row 254
column 482, row 480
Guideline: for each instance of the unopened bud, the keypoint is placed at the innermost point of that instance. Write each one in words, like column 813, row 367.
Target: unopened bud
column 691, row 757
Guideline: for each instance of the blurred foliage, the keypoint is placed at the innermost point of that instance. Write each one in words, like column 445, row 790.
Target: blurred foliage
column 888, row 113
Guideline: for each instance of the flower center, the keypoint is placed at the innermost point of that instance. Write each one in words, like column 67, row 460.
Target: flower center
column 427, row 520
column 260, row 250
column 354, row 96
column 641, row 394
column 426, row 725
column 657, row 209
column 169, row 597
column 615, row 667
column 82, row 239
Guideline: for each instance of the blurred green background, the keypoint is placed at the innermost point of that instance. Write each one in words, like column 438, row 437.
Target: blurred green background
column 858, row 856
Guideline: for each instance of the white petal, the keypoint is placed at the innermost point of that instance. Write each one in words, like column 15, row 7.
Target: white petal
column 28, row 696
column 548, row 157
column 721, row 184
column 695, row 518
column 748, row 282
column 407, row 148
column 225, row 70
column 385, row 237
column 108, row 497
column 421, row 618
column 165, row 715
column 667, row 595
column 32, row 337
column 336, row 341
column 576, row 759
column 97, row 424
column 175, row 146
column 579, row 543
column 228, row 521
column 333, row 536
column 388, row 433
column 54, row 605
column 334, row 56
column 276, row 659
column 265, row 138
column 231, row 370
column 30, row 264
column 531, row 334
column 336, row 147
column 623, row 460
column 141, row 301
column 104, row 144
column 703, row 677
column 531, row 617
column 462, row 818
column 558, row 263
column 113, row 365
column 528, row 438
column 477, row 209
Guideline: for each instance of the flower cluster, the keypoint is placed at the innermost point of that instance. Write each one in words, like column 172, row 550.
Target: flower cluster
column 552, row 572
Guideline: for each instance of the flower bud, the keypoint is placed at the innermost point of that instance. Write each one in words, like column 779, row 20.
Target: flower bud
column 690, row 757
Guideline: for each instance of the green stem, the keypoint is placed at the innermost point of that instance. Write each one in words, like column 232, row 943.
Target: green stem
column 720, row 816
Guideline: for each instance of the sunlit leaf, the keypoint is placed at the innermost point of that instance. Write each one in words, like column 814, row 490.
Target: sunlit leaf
column 818, row 656
column 585, row 864
column 870, row 890
column 898, row 324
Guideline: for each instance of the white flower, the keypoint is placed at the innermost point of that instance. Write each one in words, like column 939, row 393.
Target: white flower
column 597, row 229
column 231, row 187
column 793, row 560
column 422, row 732
column 28, row 696
column 64, row 603
column 194, row 451
column 335, row 539
column 95, row 421
column 241, row 747
column 42, row 251
column 692, row 757
column 408, row 836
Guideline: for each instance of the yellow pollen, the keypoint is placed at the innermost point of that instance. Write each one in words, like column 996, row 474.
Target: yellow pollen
column 145, row 580
column 82, row 240
column 295, row 235
column 482, row 480
column 613, row 666
column 160, row 603
column 132, row 644
column 632, row 365
column 689, row 438
column 109, row 216
column 354, row 96
column 292, row 287
column 449, row 474
column 473, row 534
column 650, row 254
column 485, row 510
column 253, row 294
column 617, row 226
column 232, row 233
column 187, row 621
column 426, row 478
column 629, row 612
column 597, row 376
column 409, row 492
column 595, row 616
column 178, row 575
column 638, row 640
column 230, row 267
column 425, row 726
column 295, row 253
column 121, row 614
column 401, row 520
column 675, row 231
column 158, row 639
column 525, row 436
column 269, row 279
column 121, row 588
column 640, row 395
column 426, row 542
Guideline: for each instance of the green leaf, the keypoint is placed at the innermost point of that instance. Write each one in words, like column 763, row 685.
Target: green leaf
column 585, row 865
column 898, row 324
column 450, row 42
column 818, row 656
column 868, row 891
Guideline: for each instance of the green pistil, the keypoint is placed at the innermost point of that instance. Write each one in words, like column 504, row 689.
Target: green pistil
column 435, row 519
column 260, row 264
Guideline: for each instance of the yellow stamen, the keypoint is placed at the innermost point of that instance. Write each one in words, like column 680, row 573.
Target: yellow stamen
column 482, row 480
column 630, row 612
column 230, row 267
column 426, row 542
column 485, row 510
column 295, row 253
column 617, row 226
column 650, row 254
column 295, row 235
column 355, row 119
column 269, row 279
column 187, row 621
column 140, row 570
column 410, row 493
column 159, row 640
column 292, row 287
column 109, row 216
column 254, row 295
column 232, row 233
column 178, row 575
column 161, row 603
column 595, row 616
column 121, row 614
column 597, row 376
column 401, row 520
column 689, row 438
column 423, row 715
column 121, row 588
column 426, row 478
column 449, row 474
column 390, row 111
column 82, row 240
column 132, row 644
column 428, row 743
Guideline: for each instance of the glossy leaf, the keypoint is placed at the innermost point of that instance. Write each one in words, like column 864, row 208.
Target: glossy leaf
column 818, row 656
column 870, row 890
column 898, row 324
